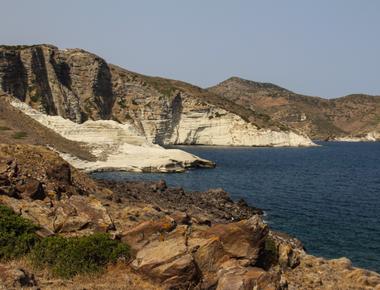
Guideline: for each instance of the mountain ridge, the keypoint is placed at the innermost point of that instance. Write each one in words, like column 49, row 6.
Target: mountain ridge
column 320, row 118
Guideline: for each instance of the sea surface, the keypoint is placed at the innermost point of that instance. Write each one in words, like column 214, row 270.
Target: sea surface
column 327, row 196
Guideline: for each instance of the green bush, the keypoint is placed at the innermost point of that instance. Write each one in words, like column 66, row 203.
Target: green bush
column 4, row 128
column 17, row 235
column 269, row 254
column 67, row 257
column 19, row 135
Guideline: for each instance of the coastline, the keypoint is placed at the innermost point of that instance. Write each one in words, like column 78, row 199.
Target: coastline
column 180, row 239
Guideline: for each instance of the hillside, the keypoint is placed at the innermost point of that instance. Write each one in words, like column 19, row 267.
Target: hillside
column 353, row 115
column 80, row 86
column 16, row 127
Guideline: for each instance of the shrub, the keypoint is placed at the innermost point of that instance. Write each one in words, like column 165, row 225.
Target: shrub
column 269, row 254
column 4, row 128
column 19, row 135
column 67, row 257
column 17, row 235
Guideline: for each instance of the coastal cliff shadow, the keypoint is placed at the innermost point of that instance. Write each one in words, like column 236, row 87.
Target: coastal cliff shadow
column 171, row 124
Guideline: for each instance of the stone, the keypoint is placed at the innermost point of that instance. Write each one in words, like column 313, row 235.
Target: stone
column 246, row 279
column 139, row 235
column 32, row 189
column 243, row 239
column 168, row 261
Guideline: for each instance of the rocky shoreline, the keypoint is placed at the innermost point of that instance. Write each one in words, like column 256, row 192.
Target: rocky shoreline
column 180, row 240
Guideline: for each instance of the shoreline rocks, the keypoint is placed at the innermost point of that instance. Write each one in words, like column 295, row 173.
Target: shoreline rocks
column 180, row 240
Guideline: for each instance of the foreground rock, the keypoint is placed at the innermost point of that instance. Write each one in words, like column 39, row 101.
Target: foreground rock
column 189, row 247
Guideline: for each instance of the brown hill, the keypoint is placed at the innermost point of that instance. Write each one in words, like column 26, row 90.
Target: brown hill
column 16, row 127
column 320, row 118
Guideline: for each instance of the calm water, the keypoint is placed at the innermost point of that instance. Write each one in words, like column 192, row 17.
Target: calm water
column 328, row 197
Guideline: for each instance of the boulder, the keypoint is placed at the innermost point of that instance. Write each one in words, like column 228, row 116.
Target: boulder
column 32, row 189
column 239, row 278
column 168, row 261
column 77, row 215
column 139, row 235
column 242, row 240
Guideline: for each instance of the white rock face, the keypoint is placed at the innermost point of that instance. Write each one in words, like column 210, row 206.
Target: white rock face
column 117, row 146
column 216, row 126
column 370, row 137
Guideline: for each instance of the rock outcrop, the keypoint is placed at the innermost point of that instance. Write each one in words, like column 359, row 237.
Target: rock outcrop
column 347, row 118
column 369, row 137
column 80, row 86
column 115, row 146
column 174, row 248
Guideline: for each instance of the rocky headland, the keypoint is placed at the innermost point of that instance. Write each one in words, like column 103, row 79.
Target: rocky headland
column 119, row 114
column 179, row 240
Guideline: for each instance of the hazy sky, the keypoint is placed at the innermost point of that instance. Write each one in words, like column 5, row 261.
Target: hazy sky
column 326, row 47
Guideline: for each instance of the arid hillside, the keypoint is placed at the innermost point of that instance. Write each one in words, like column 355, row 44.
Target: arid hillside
column 353, row 115
column 18, row 128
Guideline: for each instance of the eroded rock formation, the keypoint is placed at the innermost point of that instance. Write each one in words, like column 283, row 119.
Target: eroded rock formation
column 81, row 86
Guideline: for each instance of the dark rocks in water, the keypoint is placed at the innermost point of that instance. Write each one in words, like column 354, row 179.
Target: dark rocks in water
column 213, row 205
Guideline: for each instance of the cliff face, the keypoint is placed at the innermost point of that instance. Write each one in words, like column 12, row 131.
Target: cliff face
column 81, row 86
column 348, row 118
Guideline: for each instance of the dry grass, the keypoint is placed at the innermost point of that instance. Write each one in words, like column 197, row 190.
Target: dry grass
column 23, row 129
column 117, row 277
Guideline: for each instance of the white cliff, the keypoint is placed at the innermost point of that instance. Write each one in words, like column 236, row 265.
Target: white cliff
column 116, row 146
column 216, row 126
column 80, row 86
column 369, row 137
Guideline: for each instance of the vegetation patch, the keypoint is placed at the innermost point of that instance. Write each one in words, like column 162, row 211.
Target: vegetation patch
column 17, row 235
column 65, row 257
column 4, row 128
column 269, row 255
column 122, row 103
column 19, row 135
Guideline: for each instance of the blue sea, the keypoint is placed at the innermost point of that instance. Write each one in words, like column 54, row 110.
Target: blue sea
column 327, row 196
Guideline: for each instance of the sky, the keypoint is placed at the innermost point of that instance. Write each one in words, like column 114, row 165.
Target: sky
column 327, row 48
